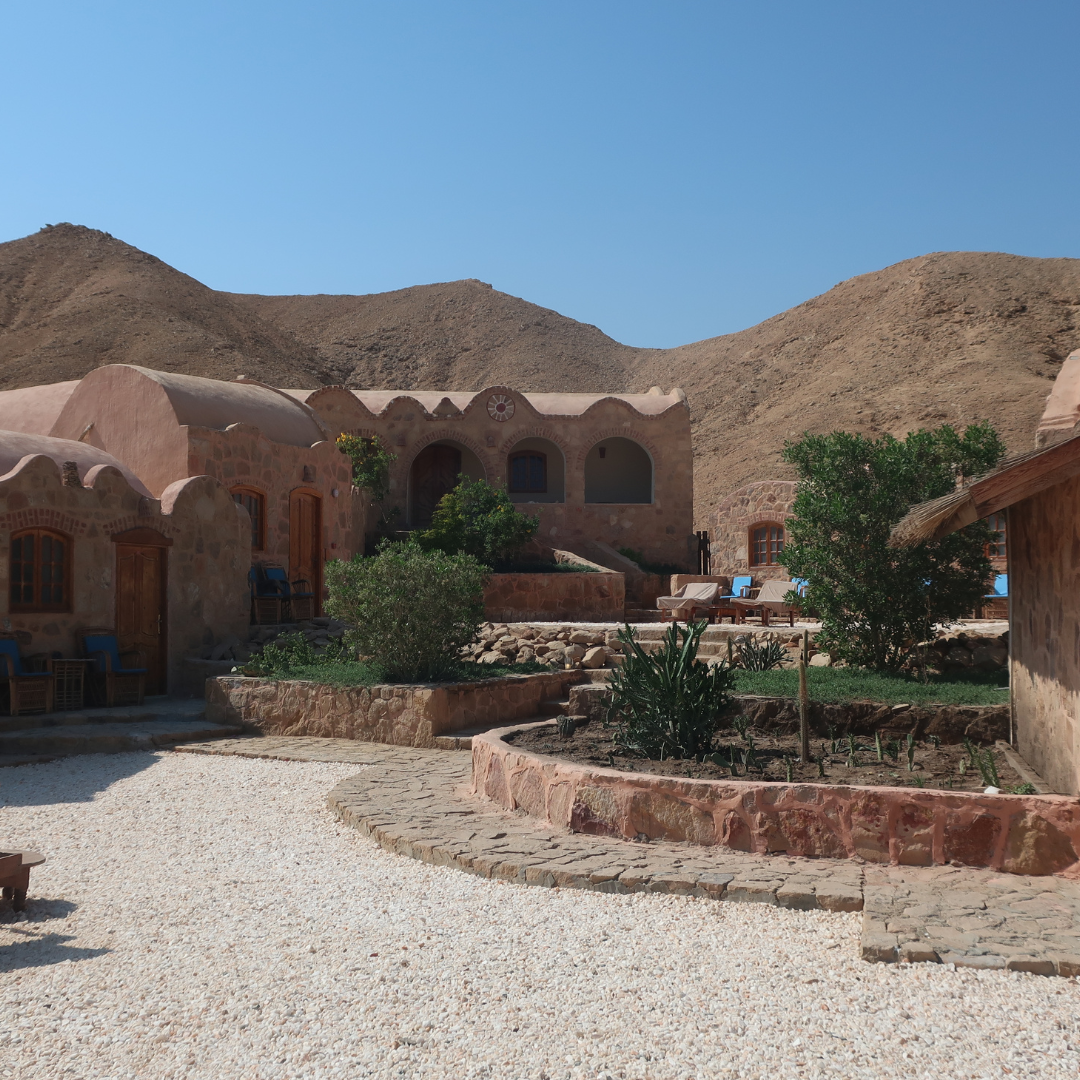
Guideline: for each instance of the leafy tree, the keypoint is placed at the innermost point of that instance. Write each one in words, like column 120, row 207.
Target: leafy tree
column 479, row 520
column 877, row 602
column 370, row 462
column 412, row 610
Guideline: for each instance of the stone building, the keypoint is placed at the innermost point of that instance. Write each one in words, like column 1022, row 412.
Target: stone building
column 84, row 543
column 270, row 450
column 746, row 531
column 613, row 469
column 1039, row 495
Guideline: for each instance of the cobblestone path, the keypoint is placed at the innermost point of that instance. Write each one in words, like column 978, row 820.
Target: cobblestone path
column 414, row 802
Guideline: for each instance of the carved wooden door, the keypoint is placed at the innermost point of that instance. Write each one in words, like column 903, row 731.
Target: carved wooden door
column 305, row 541
column 140, row 610
column 434, row 473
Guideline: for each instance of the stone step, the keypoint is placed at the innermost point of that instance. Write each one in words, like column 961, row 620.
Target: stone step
column 153, row 708
column 47, row 743
column 554, row 708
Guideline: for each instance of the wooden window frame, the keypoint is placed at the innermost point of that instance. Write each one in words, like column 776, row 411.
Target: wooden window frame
column 35, row 606
column 770, row 544
column 510, row 472
column 258, row 530
column 1003, row 536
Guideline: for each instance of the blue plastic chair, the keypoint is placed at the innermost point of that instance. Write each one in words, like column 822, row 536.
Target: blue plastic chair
column 28, row 691
column 112, row 683
column 1001, row 586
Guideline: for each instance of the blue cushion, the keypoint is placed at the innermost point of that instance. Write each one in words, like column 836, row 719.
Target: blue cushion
column 11, row 648
column 97, row 644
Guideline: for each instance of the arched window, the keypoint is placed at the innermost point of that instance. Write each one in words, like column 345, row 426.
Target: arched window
column 40, row 571
column 528, row 472
column 996, row 549
column 766, row 544
column 254, row 502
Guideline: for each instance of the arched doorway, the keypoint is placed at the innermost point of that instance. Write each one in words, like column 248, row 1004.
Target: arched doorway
column 618, row 470
column 305, row 541
column 142, row 570
column 535, row 472
column 435, row 471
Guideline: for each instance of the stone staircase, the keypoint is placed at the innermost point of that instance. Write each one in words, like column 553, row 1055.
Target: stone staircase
column 158, row 723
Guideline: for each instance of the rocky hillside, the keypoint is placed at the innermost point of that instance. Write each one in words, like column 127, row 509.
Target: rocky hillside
column 954, row 336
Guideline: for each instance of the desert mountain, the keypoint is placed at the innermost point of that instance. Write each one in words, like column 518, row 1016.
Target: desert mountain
column 947, row 337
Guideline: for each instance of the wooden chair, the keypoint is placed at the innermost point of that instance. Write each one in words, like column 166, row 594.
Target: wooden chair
column 111, row 683
column 301, row 600
column 267, row 602
column 28, row 691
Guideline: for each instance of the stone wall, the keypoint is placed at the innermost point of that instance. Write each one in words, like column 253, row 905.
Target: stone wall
column 397, row 714
column 765, row 502
column 1044, row 588
column 555, row 597
column 1019, row 834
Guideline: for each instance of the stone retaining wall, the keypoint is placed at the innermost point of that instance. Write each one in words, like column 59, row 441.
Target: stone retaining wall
column 397, row 714
column 1019, row 834
column 555, row 597
column 950, row 723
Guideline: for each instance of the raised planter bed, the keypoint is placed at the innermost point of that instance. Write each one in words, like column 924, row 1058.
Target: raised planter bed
column 398, row 714
column 1019, row 834
column 599, row 597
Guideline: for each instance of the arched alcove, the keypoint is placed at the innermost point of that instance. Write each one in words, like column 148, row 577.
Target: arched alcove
column 536, row 472
column 434, row 472
column 618, row 470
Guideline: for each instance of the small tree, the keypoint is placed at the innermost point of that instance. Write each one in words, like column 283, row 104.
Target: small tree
column 412, row 610
column 478, row 520
column 877, row 602
column 370, row 464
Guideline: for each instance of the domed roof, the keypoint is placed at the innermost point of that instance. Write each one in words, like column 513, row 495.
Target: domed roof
column 15, row 445
column 34, row 408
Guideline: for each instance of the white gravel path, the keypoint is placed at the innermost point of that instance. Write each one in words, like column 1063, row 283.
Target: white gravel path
column 205, row 917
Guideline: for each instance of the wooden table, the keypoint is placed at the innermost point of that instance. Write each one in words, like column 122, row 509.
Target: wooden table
column 69, row 683
column 15, row 875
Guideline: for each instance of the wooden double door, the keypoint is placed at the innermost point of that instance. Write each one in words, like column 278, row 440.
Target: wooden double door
column 434, row 473
column 141, row 580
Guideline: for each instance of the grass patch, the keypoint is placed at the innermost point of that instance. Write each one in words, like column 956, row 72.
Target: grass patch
column 359, row 673
column 857, row 684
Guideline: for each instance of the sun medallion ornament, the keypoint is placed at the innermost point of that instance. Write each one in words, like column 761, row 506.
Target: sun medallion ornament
column 500, row 407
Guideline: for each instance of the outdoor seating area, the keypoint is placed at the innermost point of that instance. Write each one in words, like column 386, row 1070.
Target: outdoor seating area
column 45, row 683
column 701, row 600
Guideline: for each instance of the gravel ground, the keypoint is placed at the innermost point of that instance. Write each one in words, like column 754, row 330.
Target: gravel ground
column 206, row 917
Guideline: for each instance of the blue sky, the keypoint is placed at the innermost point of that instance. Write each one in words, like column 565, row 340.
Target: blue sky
column 668, row 171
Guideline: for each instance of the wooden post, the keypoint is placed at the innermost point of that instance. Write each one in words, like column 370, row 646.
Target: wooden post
column 804, row 702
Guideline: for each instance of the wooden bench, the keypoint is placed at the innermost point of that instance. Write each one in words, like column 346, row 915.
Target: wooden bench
column 15, row 875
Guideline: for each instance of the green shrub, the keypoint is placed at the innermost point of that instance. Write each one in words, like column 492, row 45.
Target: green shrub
column 667, row 703
column 289, row 652
column 411, row 610
column 478, row 520
column 760, row 657
column 370, row 464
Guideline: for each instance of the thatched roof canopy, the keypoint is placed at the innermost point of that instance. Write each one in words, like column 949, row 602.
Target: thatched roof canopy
column 1016, row 479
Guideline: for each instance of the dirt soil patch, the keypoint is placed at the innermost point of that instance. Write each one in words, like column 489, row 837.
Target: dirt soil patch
column 761, row 755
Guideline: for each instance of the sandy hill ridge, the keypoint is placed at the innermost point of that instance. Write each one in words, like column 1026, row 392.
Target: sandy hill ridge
column 954, row 336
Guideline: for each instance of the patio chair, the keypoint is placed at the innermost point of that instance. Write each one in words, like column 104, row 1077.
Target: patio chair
column 268, row 600
column 691, row 599
column 301, row 600
column 769, row 601
column 741, row 588
column 28, row 691
column 995, row 604
column 111, row 683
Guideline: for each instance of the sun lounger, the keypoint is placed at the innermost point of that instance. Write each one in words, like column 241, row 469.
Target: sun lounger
column 699, row 596
column 769, row 601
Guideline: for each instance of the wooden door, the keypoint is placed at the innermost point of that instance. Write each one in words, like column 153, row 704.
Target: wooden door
column 140, row 609
column 434, row 473
column 305, row 541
